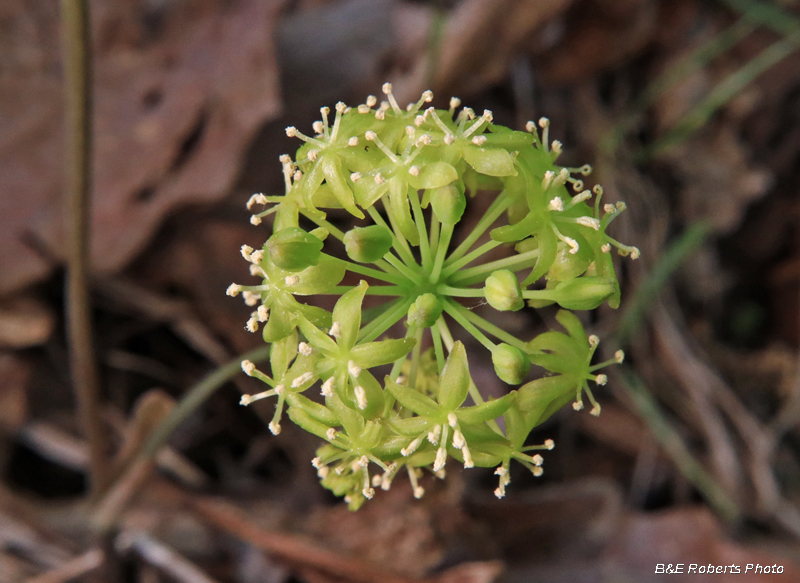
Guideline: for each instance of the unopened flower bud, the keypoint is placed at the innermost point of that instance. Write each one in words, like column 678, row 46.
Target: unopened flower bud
column 425, row 311
column 502, row 291
column 584, row 293
column 368, row 244
column 510, row 363
column 294, row 249
column 448, row 204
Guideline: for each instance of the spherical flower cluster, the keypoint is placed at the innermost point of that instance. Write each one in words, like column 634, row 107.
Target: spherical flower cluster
column 410, row 174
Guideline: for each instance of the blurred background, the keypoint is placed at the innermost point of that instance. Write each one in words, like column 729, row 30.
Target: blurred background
column 688, row 110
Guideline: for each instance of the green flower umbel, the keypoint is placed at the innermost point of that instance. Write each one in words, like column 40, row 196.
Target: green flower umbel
column 394, row 390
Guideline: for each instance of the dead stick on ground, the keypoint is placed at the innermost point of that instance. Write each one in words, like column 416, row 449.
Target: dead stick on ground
column 162, row 557
column 292, row 548
column 78, row 148
column 72, row 569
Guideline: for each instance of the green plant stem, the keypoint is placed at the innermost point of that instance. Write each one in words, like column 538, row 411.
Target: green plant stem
column 460, row 292
column 404, row 269
column 451, row 268
column 495, row 331
column 456, row 312
column 438, row 349
column 383, row 276
column 673, row 445
column 373, row 290
column 382, row 323
column 196, row 396
column 419, row 219
column 415, row 357
column 78, row 150
column 447, row 337
column 500, row 204
column 444, row 242
column 514, row 263
column 434, row 234
column 399, row 243
column 402, row 247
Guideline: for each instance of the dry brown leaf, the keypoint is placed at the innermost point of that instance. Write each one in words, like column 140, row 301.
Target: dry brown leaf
column 180, row 89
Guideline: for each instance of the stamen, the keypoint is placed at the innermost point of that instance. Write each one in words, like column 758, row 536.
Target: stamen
column 233, row 290
column 263, row 313
column 361, row 397
column 302, row 379
column 327, row 387
column 275, row 428
column 353, row 368
column 454, row 103
column 248, row 367
column 291, row 279
column 619, row 356
column 387, row 90
column 556, row 204
column 336, row 330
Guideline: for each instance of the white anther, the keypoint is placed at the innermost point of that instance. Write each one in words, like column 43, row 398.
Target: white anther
column 549, row 176
column 427, row 96
column 363, row 461
column 597, row 189
column 323, row 472
column 577, row 405
column 318, row 127
column 371, row 100
column 251, row 298
column 256, row 199
column 414, row 171
column 556, row 204
column 605, row 248
column 590, row 222
column 465, row 453
column 234, row 290
column 248, row 367
column 379, row 179
column 433, row 434
column 355, row 176
column 635, row 254
column 285, row 159
column 370, row 135
column 556, row 146
column 257, row 256
column 449, row 139
column 297, row 176
column 305, row 349
column 586, row 169
column 419, row 492
column 530, row 127
column 609, row 208
column 500, row 471
column 246, row 400
column 441, row 459
column 549, row 443
column 252, row 324
column 246, row 251
column 479, row 140
column 573, row 245
column 458, row 439
column 601, row 379
column 594, row 340
column 363, row 109
column 621, row 206
column 336, row 330
column 256, row 271
column 419, row 120
column 619, row 356
column 275, row 428
column 424, row 140
column 353, row 368
column 255, row 220
column 452, row 420
column 411, row 131
column 341, row 106
column 387, row 88
column 327, row 388
column 313, row 155
column 291, row 279
column 499, row 492
column 361, row 397
column 377, row 480
column 281, row 389
column 291, row 131
column 330, row 434
column 577, row 185
column 544, row 122
column 302, row 379
column 412, row 447
column 454, row 102
column 263, row 313
column 537, row 472
column 352, row 142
